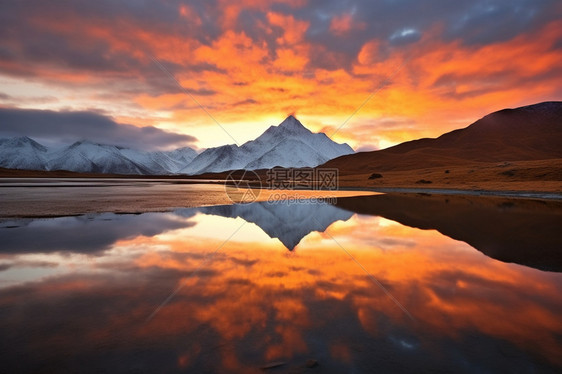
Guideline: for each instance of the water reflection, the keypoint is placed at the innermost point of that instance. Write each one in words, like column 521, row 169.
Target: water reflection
column 287, row 222
column 254, row 302
column 90, row 233
column 93, row 233
column 511, row 230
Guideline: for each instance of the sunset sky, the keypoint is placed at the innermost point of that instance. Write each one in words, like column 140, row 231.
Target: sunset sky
column 111, row 71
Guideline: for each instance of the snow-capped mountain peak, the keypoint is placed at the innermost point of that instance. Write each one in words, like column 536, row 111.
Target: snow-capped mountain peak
column 22, row 153
column 288, row 128
column 293, row 125
column 23, row 141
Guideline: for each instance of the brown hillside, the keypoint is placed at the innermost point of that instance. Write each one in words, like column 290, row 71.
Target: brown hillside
column 524, row 134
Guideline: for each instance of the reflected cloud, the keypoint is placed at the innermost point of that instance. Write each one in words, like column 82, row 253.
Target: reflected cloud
column 255, row 302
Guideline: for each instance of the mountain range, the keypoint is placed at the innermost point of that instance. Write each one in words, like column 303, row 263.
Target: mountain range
column 521, row 144
column 84, row 156
column 289, row 145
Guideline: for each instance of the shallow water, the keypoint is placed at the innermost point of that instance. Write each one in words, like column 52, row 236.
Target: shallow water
column 53, row 197
column 237, row 288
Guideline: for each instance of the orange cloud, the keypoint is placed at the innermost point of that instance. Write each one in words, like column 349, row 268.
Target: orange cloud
column 293, row 29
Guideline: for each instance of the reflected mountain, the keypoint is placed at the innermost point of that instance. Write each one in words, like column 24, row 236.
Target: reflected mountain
column 521, row 231
column 94, row 233
column 289, row 223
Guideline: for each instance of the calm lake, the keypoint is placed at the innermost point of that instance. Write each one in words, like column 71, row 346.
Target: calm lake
column 385, row 283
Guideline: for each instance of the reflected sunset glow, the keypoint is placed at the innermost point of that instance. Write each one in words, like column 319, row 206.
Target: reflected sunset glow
column 254, row 302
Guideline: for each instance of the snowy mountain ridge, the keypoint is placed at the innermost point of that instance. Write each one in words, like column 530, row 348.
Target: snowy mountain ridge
column 89, row 157
column 289, row 144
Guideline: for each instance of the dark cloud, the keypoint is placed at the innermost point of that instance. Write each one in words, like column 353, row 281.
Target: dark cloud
column 9, row 100
column 71, row 126
column 557, row 44
column 246, row 102
column 486, row 22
